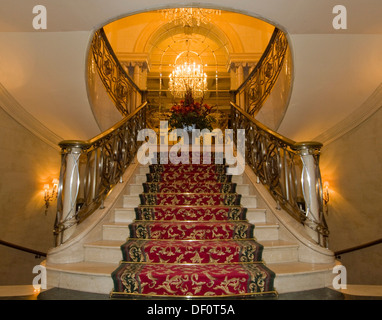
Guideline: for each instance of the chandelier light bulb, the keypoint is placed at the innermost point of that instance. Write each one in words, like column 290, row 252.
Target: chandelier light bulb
column 188, row 76
column 187, row 17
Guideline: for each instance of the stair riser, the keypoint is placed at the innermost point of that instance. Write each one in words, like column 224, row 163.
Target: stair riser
column 303, row 281
column 103, row 254
column 121, row 233
column 114, row 255
column 280, row 254
column 140, row 178
column 136, row 189
column 124, row 215
column 127, row 215
column 132, row 201
column 145, row 170
column 102, row 284
column 266, row 233
column 256, row 215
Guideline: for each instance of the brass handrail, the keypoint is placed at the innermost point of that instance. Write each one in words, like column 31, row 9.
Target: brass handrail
column 356, row 248
column 253, row 92
column 263, row 127
column 290, row 171
column 86, row 144
column 21, row 248
column 90, row 169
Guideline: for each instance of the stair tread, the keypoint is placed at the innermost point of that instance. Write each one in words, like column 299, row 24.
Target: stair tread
column 84, row 267
column 194, row 206
column 277, row 243
column 102, row 268
column 189, row 222
column 105, row 243
column 298, row 267
column 126, row 224
column 177, row 193
column 191, row 183
column 118, row 243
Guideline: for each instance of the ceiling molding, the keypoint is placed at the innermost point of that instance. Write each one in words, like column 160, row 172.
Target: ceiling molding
column 133, row 58
column 357, row 117
column 9, row 104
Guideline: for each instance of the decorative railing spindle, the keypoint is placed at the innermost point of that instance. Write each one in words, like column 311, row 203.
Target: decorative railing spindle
column 90, row 169
column 253, row 92
column 288, row 169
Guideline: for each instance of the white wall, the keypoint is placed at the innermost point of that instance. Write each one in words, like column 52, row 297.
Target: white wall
column 46, row 74
column 27, row 163
column 333, row 76
column 352, row 164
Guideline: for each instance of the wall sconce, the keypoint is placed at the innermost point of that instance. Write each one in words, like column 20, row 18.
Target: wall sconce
column 325, row 192
column 50, row 193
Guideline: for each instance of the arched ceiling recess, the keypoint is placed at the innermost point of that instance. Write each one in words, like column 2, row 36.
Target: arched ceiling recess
column 220, row 45
column 208, row 48
column 209, row 30
column 224, row 38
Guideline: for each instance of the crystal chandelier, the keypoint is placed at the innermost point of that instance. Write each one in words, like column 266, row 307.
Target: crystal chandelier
column 188, row 77
column 187, row 16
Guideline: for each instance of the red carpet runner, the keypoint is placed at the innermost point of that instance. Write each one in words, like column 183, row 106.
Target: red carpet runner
column 191, row 239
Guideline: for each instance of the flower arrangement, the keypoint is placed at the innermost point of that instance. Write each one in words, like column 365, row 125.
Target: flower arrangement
column 190, row 114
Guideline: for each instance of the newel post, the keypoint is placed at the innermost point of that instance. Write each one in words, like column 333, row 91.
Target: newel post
column 69, row 185
column 311, row 187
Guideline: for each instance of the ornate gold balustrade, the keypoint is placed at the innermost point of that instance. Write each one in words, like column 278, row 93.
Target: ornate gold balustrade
column 288, row 169
column 122, row 90
column 253, row 92
column 90, row 169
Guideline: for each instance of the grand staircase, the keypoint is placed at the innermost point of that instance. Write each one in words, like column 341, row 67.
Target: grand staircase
column 157, row 234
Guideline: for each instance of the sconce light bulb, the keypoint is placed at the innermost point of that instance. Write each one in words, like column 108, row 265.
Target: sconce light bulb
column 326, row 192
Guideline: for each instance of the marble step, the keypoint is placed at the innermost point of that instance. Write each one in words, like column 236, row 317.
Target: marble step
column 136, row 189
column 275, row 251
column 301, row 276
column 95, row 276
column 254, row 215
column 120, row 231
column 141, row 177
column 132, row 201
